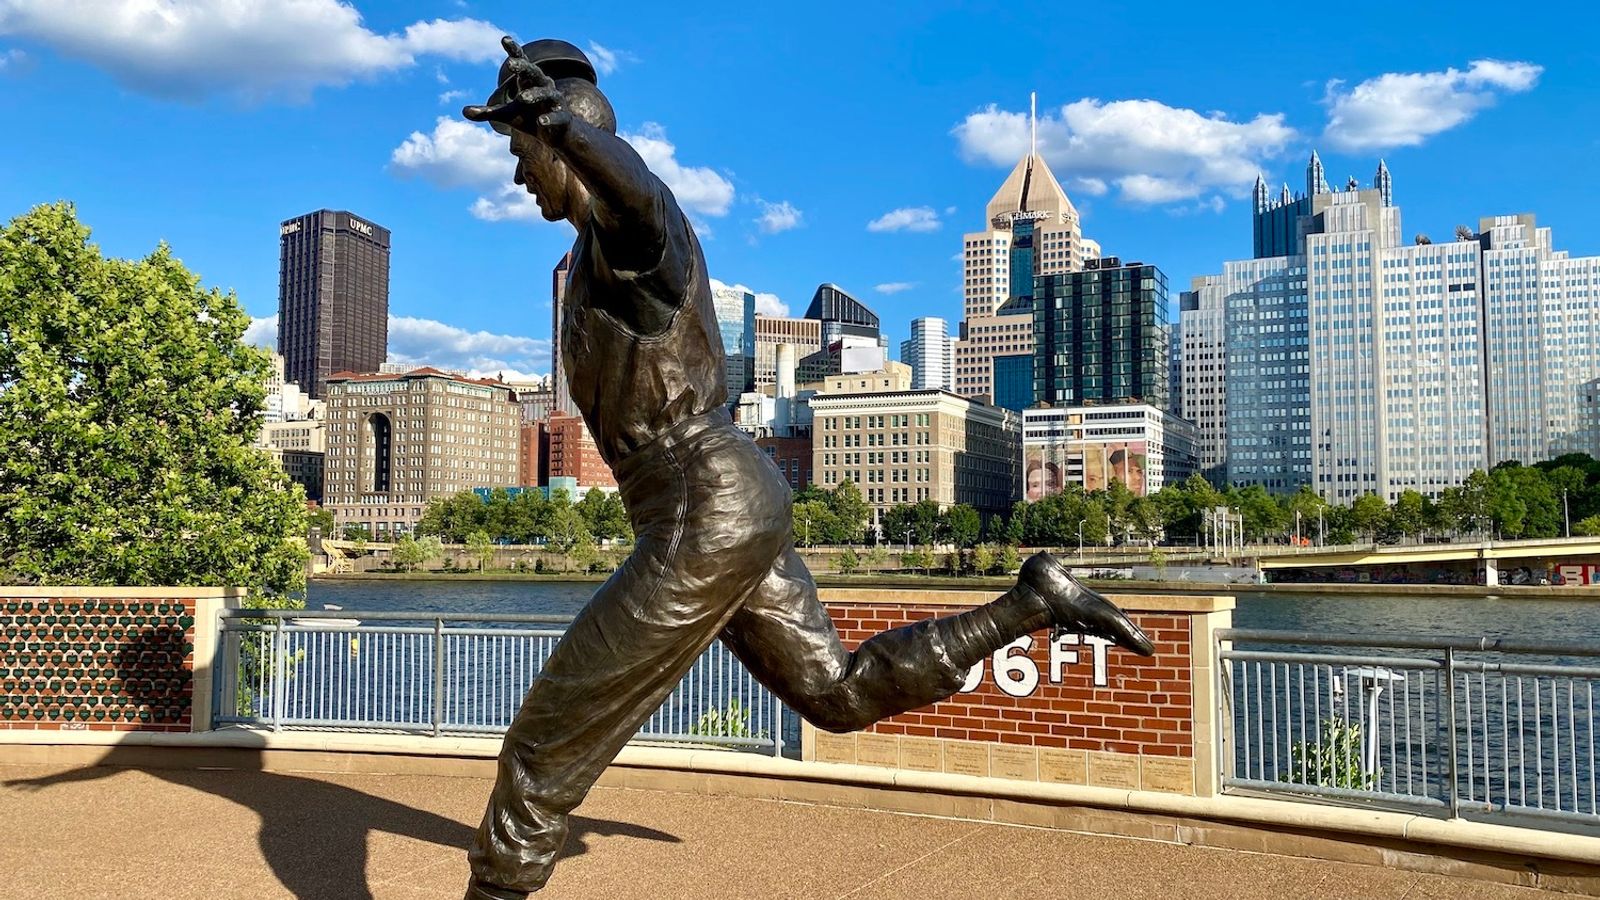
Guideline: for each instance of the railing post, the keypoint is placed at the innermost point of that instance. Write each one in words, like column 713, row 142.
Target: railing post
column 777, row 724
column 438, row 676
column 279, row 675
column 1450, row 694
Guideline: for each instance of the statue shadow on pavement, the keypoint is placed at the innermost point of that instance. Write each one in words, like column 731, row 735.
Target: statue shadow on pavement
column 313, row 833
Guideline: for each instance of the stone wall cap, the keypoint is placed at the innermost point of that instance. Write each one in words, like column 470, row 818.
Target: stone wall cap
column 53, row 591
column 1186, row 603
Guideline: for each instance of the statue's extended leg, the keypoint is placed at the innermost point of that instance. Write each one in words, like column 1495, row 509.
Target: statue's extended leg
column 712, row 542
column 784, row 636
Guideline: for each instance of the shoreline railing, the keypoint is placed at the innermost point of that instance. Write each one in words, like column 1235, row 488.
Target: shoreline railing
column 1475, row 727
column 447, row 673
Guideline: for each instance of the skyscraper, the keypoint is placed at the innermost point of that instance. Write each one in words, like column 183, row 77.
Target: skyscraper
column 333, row 297
column 1202, row 356
column 1032, row 231
column 736, row 319
column 1358, row 363
column 930, row 353
column 558, row 295
column 1100, row 335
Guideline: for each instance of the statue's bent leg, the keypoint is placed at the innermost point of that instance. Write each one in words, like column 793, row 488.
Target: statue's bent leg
column 784, row 636
column 704, row 543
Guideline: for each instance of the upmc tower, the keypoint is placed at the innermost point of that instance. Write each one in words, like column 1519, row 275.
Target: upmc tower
column 333, row 297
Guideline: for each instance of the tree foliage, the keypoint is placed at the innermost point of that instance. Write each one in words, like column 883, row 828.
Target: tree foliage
column 128, row 408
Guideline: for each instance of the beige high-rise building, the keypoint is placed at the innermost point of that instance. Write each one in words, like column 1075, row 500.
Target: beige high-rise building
column 804, row 334
column 904, row 446
column 1033, row 230
column 397, row 441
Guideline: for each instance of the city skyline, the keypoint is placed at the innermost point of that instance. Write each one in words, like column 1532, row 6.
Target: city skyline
column 878, row 213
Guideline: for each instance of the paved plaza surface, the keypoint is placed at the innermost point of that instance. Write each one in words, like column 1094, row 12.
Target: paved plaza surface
column 134, row 833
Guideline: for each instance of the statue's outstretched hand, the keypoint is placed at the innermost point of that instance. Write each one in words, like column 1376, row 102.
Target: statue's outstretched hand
column 533, row 105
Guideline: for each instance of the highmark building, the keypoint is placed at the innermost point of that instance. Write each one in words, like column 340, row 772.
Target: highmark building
column 1033, row 230
column 1358, row 363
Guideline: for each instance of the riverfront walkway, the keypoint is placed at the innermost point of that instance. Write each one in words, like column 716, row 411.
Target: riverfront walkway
column 172, row 834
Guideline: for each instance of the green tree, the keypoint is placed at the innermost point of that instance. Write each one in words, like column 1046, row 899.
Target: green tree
column 455, row 517
column 983, row 557
column 319, row 521
column 406, row 555
column 813, row 522
column 847, row 562
column 960, row 525
column 876, row 557
column 1368, row 515
column 584, row 552
column 429, row 549
column 1587, row 527
column 481, row 546
column 1009, row 560
column 1408, row 516
column 128, row 408
column 850, row 513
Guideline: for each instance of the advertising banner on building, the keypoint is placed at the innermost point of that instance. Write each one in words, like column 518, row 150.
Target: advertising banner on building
column 1049, row 466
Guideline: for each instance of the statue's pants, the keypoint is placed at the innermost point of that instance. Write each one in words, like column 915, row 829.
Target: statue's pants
column 713, row 557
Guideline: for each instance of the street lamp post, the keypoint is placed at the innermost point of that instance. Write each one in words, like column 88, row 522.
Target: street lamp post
column 1080, row 542
column 1566, row 517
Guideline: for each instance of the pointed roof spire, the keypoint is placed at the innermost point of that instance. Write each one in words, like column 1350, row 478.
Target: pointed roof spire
column 1031, row 186
column 1033, row 123
column 1384, row 183
column 1316, row 178
column 1261, row 193
column 1286, row 197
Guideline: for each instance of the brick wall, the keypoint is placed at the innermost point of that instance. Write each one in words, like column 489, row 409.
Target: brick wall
column 1071, row 711
column 107, row 659
column 1141, row 705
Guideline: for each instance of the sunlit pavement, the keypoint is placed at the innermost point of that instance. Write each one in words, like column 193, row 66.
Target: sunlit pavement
column 131, row 833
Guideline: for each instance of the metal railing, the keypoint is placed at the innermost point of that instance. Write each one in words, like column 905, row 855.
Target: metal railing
column 1468, row 726
column 444, row 673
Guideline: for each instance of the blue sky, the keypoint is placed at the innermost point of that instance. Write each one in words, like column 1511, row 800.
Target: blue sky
column 786, row 130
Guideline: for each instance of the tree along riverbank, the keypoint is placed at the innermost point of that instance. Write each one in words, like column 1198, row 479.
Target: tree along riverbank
column 945, row 582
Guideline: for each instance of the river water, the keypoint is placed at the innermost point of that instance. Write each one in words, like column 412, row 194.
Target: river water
column 1520, row 619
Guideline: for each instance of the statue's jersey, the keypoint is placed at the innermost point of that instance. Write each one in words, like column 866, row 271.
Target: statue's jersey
column 644, row 384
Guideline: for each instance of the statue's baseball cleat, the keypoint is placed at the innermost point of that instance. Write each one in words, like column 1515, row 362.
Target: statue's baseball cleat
column 1075, row 608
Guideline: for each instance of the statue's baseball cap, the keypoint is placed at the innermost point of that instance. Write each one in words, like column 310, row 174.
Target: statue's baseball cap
column 557, row 58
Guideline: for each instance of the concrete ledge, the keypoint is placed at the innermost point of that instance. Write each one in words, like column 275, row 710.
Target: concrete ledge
column 1485, row 851
column 50, row 592
column 911, row 596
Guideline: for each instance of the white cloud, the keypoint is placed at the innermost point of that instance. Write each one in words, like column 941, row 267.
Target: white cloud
column 697, row 188
column 462, row 154
column 480, row 354
column 189, row 49
column 607, row 60
column 1152, row 152
column 263, row 332
column 766, row 304
column 11, row 59
column 776, row 217
column 448, row 96
column 906, row 218
column 895, row 287
column 1402, row 109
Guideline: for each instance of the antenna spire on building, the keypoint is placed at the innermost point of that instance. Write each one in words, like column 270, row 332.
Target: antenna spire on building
column 1033, row 123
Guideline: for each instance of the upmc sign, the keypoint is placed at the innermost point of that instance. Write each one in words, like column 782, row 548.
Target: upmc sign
column 1017, row 674
column 358, row 225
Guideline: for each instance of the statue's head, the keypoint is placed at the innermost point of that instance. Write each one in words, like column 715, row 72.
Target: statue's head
column 559, row 195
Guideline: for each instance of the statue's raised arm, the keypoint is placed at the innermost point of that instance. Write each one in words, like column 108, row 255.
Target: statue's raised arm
column 563, row 131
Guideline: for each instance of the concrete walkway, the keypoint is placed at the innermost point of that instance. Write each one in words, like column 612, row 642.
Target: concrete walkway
column 130, row 833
